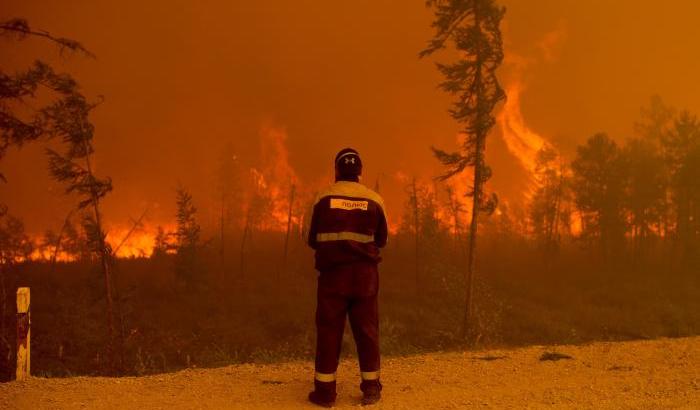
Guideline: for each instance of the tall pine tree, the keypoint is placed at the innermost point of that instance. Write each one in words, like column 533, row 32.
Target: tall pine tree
column 472, row 27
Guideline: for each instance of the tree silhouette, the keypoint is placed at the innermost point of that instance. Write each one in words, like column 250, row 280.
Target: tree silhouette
column 682, row 153
column 473, row 27
column 257, row 214
column 70, row 122
column 656, row 119
column 187, row 235
column 15, row 245
column 162, row 243
column 549, row 213
column 645, row 191
column 229, row 187
column 653, row 128
column 598, row 183
column 19, row 123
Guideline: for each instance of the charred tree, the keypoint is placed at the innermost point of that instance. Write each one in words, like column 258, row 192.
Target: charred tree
column 229, row 193
column 162, row 243
column 416, row 226
column 292, row 193
column 244, row 238
column 187, row 235
column 547, row 211
column 59, row 238
column 455, row 208
column 473, row 28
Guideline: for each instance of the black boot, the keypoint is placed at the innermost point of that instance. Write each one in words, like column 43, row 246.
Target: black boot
column 371, row 391
column 324, row 394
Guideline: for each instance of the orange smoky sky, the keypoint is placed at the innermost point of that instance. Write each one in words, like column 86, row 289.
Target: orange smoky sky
column 181, row 79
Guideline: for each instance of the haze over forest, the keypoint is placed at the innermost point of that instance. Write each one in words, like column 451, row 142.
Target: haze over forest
column 174, row 235
column 182, row 79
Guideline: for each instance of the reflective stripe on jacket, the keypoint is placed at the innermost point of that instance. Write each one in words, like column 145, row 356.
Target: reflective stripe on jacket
column 348, row 225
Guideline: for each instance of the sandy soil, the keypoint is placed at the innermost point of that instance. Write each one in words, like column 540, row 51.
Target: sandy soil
column 641, row 375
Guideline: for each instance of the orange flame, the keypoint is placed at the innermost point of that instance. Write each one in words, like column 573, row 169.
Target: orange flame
column 45, row 253
column 522, row 142
column 140, row 243
column 275, row 178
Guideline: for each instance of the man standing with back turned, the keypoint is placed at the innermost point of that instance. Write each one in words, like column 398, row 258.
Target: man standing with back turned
column 348, row 226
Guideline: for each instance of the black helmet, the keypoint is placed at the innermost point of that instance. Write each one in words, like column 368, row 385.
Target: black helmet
column 348, row 165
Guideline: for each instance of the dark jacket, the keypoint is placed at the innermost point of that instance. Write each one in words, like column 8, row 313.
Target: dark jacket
column 348, row 225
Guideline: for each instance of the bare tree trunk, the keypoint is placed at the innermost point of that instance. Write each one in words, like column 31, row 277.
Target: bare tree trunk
column 554, row 235
column 134, row 226
column 454, row 209
column 58, row 241
column 416, row 222
column 292, row 191
column 104, row 261
column 476, row 204
column 3, row 317
column 457, row 239
column 246, row 229
column 222, row 249
column 471, row 254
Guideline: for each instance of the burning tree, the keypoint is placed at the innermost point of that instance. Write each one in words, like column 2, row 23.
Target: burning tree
column 473, row 26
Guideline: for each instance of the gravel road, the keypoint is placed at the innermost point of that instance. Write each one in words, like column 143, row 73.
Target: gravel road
column 656, row 374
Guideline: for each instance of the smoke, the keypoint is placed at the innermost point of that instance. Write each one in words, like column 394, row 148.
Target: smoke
column 180, row 81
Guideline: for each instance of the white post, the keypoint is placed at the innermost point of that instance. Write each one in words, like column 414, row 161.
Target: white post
column 23, row 328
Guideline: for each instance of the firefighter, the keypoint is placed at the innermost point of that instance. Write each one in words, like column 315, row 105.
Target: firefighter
column 348, row 226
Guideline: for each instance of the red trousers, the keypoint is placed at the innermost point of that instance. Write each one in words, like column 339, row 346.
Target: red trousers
column 348, row 290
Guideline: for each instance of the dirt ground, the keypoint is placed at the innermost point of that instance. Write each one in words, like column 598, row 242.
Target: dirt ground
column 640, row 375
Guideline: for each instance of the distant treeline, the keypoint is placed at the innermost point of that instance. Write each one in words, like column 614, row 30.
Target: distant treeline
column 606, row 247
column 178, row 311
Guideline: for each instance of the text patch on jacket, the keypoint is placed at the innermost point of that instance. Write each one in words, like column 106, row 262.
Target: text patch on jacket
column 348, row 224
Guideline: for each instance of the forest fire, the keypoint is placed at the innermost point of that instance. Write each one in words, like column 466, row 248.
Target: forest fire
column 521, row 140
column 125, row 242
column 275, row 186
column 158, row 178
column 137, row 244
